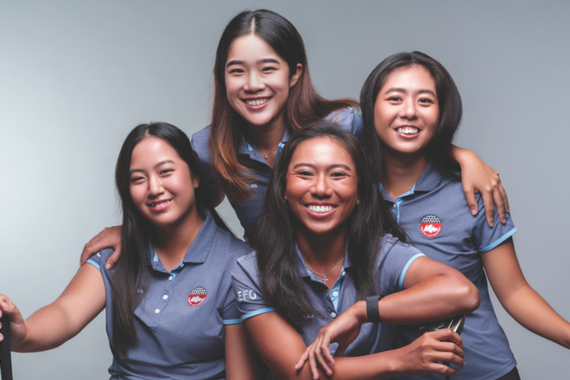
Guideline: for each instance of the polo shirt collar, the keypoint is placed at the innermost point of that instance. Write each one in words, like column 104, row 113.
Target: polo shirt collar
column 202, row 244
column 246, row 148
column 428, row 181
column 305, row 272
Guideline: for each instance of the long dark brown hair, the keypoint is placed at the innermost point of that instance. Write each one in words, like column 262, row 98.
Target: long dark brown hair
column 132, row 269
column 281, row 284
column 450, row 111
column 304, row 104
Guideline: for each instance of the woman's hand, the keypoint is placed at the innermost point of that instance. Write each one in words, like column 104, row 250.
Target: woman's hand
column 110, row 237
column 17, row 324
column 343, row 330
column 428, row 353
column 478, row 177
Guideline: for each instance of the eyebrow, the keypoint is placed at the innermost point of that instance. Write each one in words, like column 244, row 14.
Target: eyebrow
column 332, row 166
column 264, row 60
column 155, row 166
column 398, row 89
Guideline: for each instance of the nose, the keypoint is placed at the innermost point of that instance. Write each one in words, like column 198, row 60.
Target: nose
column 409, row 110
column 155, row 186
column 254, row 82
column 321, row 187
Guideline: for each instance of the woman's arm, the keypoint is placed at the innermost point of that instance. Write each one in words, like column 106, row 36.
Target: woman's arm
column 54, row 324
column 432, row 291
column 520, row 300
column 241, row 359
column 110, row 237
column 280, row 345
column 478, row 177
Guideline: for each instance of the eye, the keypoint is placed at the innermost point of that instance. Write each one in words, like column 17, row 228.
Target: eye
column 304, row 173
column 394, row 99
column 235, row 71
column 166, row 171
column 137, row 179
column 338, row 175
column 426, row 101
column 268, row 69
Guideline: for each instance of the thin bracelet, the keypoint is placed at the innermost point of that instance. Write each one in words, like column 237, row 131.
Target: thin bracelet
column 372, row 310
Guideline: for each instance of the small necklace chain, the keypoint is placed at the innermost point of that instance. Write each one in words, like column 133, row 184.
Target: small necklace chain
column 266, row 156
column 324, row 276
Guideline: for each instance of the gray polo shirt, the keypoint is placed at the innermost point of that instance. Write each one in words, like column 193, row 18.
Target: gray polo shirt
column 437, row 219
column 248, row 212
column 393, row 260
column 180, row 321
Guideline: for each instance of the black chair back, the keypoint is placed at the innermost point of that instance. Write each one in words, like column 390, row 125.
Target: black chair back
column 5, row 356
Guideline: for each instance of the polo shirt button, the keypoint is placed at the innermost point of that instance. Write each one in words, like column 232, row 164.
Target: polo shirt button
column 335, row 294
column 343, row 274
column 182, row 265
column 156, row 311
column 165, row 297
column 333, row 314
column 394, row 206
column 170, row 278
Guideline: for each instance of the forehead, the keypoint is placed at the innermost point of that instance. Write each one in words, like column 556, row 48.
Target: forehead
column 151, row 150
column 250, row 47
column 322, row 151
column 409, row 77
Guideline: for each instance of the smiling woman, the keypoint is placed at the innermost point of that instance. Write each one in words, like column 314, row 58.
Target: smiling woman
column 323, row 245
column 152, row 292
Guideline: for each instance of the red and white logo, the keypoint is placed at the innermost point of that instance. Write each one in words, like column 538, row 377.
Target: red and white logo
column 197, row 296
column 430, row 226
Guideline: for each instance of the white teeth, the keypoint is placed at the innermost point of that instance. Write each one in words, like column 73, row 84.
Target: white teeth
column 320, row 209
column 408, row 130
column 257, row 102
column 159, row 203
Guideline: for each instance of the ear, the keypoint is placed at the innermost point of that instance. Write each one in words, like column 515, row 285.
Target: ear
column 295, row 77
column 285, row 197
column 195, row 181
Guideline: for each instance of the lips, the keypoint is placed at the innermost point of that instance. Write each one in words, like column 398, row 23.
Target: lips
column 159, row 205
column 256, row 103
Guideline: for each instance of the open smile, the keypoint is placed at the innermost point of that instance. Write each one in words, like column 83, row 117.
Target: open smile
column 320, row 209
column 408, row 130
column 256, row 103
column 159, row 205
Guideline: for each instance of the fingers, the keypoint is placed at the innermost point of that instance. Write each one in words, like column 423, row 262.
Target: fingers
column 112, row 260
column 110, row 237
column 302, row 360
column 503, row 193
column 471, row 200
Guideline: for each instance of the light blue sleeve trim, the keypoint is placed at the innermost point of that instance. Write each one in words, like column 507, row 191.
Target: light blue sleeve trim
column 257, row 312
column 95, row 264
column 232, row 322
column 499, row 241
column 405, row 270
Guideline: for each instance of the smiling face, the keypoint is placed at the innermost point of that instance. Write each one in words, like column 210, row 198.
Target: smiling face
column 322, row 186
column 161, row 185
column 406, row 112
column 258, row 81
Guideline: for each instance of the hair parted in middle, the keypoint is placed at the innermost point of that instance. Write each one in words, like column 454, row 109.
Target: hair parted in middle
column 304, row 104
column 450, row 111
column 281, row 284
column 131, row 271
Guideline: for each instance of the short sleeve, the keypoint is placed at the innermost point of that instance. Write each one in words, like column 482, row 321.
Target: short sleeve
column 396, row 257
column 245, row 284
column 486, row 238
column 99, row 259
column 348, row 119
column 200, row 144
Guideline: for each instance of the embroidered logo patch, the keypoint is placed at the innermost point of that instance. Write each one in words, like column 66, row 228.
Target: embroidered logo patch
column 430, row 226
column 197, row 296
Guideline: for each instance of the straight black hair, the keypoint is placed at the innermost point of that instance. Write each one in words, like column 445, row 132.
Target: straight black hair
column 281, row 284
column 132, row 269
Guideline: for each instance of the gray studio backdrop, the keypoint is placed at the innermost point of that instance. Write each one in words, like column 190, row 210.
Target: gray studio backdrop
column 76, row 76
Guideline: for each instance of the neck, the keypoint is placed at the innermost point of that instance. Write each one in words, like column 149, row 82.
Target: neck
column 322, row 251
column 266, row 138
column 402, row 171
column 172, row 243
